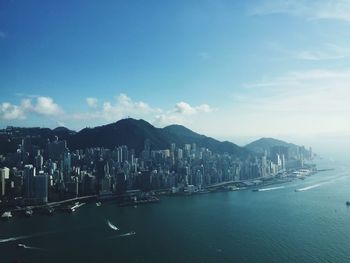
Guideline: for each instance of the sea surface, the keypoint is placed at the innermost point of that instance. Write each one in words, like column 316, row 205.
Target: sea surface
column 275, row 225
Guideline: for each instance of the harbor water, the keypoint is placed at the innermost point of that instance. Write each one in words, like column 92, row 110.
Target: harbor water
column 275, row 225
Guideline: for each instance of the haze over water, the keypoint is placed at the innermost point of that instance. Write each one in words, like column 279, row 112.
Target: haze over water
column 278, row 225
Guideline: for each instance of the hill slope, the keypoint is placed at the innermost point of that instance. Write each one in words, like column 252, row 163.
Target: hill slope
column 133, row 133
column 264, row 144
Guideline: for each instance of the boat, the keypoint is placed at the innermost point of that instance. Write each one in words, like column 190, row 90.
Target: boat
column 49, row 210
column 74, row 207
column 98, row 203
column 133, row 202
column 347, row 203
column 21, row 246
column 6, row 215
column 28, row 212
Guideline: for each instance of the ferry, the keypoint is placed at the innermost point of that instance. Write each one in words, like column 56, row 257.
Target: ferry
column 6, row 215
column 77, row 205
column 74, row 207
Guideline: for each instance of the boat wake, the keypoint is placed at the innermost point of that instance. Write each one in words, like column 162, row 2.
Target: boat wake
column 28, row 247
column 112, row 226
column 132, row 233
column 10, row 239
column 270, row 188
column 127, row 234
column 309, row 187
column 322, row 183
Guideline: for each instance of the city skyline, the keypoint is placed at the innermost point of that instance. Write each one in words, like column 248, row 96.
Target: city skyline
column 280, row 66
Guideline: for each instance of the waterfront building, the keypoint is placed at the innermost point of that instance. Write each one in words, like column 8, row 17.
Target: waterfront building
column 28, row 182
column 41, row 188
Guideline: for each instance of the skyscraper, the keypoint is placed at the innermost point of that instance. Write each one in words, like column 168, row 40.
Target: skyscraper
column 28, row 181
column 4, row 175
column 41, row 188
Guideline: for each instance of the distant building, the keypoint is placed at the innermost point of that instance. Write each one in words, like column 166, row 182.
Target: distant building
column 4, row 175
column 41, row 184
column 28, row 182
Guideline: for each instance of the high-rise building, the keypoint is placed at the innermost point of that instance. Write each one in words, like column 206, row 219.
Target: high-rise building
column 264, row 166
column 179, row 154
column 147, row 150
column 39, row 161
column 28, row 181
column 27, row 145
column 66, row 165
column 4, row 175
column 41, row 184
column 279, row 150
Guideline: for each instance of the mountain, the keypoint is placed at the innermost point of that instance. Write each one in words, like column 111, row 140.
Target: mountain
column 264, row 144
column 259, row 146
column 133, row 133
column 130, row 132
column 181, row 135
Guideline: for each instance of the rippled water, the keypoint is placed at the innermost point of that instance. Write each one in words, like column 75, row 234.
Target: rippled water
column 277, row 225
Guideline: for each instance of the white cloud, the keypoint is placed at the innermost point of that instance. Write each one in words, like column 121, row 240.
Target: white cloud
column 104, row 112
column 46, row 106
column 124, row 106
column 9, row 111
column 91, row 102
column 187, row 109
column 311, row 9
column 184, row 108
column 42, row 106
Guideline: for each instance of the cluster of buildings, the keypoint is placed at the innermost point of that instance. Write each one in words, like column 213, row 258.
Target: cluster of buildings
column 36, row 175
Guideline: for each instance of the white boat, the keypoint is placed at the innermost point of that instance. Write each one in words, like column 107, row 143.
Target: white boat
column 21, row 246
column 77, row 205
column 98, row 203
column 74, row 207
column 29, row 212
column 6, row 215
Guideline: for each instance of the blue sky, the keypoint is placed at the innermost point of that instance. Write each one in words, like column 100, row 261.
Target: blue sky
column 229, row 69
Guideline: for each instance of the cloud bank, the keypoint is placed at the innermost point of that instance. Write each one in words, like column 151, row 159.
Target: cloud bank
column 99, row 113
column 44, row 106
